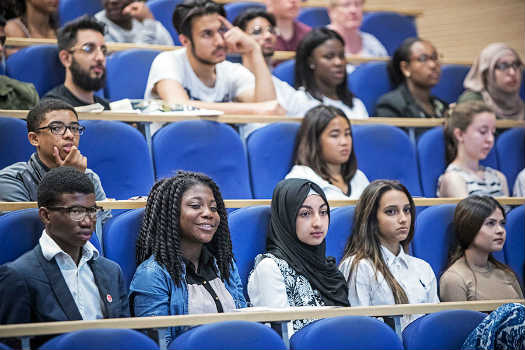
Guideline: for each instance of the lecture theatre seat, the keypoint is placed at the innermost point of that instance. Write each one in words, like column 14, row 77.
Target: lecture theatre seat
column 314, row 16
column 510, row 147
column 13, row 142
column 71, row 9
column 515, row 244
column 369, row 81
column 389, row 28
column 341, row 220
column 286, row 71
column 234, row 9
column 450, row 85
column 162, row 10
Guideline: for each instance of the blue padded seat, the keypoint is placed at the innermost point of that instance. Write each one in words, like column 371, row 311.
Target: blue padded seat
column 340, row 230
column 515, row 245
column 162, row 10
column 450, row 85
column 510, row 147
column 389, row 28
column 234, row 9
column 71, row 9
column 286, row 71
column 369, row 81
column 314, row 16
column 13, row 137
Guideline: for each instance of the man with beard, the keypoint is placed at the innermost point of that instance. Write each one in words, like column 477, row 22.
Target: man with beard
column 82, row 50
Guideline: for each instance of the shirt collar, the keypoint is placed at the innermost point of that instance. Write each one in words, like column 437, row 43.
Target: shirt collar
column 50, row 248
column 390, row 258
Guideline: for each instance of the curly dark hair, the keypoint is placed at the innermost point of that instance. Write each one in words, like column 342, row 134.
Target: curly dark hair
column 160, row 233
column 58, row 181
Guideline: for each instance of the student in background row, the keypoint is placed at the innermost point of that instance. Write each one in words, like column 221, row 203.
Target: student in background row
column 295, row 270
column 184, row 253
column 375, row 262
column 414, row 70
column 469, row 137
column 519, row 185
column 495, row 78
column 290, row 30
column 472, row 272
column 324, row 154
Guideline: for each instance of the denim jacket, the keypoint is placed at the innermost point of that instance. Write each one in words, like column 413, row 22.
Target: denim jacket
column 154, row 293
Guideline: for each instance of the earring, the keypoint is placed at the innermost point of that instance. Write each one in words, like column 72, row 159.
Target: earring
column 407, row 75
column 312, row 66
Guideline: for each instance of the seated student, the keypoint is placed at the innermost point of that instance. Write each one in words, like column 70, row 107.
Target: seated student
column 324, row 154
column 414, row 70
column 82, row 51
column 376, row 263
column 290, row 30
column 53, row 128
column 469, row 137
column 472, row 272
column 184, row 252
column 64, row 278
column 495, row 78
column 34, row 19
column 130, row 21
column 295, row 271
column 519, row 185
column 320, row 70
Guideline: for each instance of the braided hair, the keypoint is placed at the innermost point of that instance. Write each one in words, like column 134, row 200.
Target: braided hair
column 160, row 233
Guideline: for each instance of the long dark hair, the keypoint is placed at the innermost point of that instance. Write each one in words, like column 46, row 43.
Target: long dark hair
column 364, row 241
column 402, row 53
column 307, row 150
column 20, row 9
column 160, row 232
column 304, row 75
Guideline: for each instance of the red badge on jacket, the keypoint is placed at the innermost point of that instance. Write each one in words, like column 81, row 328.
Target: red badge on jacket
column 109, row 298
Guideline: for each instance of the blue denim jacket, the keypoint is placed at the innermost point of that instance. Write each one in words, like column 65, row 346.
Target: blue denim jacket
column 155, row 293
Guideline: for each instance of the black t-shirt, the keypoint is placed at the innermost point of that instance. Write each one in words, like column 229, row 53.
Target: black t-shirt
column 63, row 93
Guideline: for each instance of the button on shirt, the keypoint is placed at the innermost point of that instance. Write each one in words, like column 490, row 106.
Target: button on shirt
column 79, row 279
column 414, row 275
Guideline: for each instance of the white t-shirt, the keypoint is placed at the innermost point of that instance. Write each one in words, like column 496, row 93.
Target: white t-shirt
column 358, row 182
column 519, row 185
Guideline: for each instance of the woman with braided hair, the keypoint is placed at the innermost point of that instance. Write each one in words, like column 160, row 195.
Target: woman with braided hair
column 184, row 252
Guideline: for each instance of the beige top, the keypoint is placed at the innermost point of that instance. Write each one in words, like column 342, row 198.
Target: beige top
column 458, row 283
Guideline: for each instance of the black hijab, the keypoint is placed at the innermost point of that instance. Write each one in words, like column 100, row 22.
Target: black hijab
column 309, row 261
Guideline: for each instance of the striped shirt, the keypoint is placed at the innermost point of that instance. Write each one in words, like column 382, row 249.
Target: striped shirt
column 487, row 185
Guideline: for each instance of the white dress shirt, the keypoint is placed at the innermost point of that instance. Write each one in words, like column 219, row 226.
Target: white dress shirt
column 414, row 275
column 79, row 279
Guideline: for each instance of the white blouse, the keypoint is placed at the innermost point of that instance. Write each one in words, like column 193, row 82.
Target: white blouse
column 414, row 275
column 357, row 184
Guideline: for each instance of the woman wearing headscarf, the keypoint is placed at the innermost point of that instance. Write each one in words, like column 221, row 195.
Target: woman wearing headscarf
column 295, row 270
column 495, row 78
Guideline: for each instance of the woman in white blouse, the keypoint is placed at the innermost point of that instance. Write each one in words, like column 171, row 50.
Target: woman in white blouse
column 375, row 262
column 324, row 154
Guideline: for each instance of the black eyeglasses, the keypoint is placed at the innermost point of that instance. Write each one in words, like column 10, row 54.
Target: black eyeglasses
column 259, row 30
column 89, row 48
column 79, row 213
column 505, row 66
column 59, row 128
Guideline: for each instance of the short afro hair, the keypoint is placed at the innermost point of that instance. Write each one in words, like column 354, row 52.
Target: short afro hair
column 58, row 181
column 242, row 20
column 38, row 113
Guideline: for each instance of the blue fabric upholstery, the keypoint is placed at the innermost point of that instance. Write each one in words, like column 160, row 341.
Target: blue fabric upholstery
column 441, row 330
column 119, row 82
column 205, row 146
column 234, row 9
column 346, row 332
column 341, row 220
column 162, row 10
column 369, row 81
column 119, row 239
column 232, row 335
column 314, row 16
column 20, row 231
column 38, row 64
column 432, row 163
column 450, row 85
column 386, row 152
column 515, row 245
column 4, row 347
column 115, row 339
column 286, row 72
column 270, row 156
column 510, row 147
column 118, row 153
column 71, row 9
column 248, row 227
column 13, row 137
column 389, row 28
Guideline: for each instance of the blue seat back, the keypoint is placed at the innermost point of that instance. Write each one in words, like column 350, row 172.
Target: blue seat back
column 232, row 335
column 450, row 85
column 314, row 16
column 119, row 239
column 162, row 10
column 386, row 152
column 431, row 158
column 340, row 230
column 20, row 231
column 286, row 72
column 515, row 245
column 345, row 332
column 441, row 330
column 270, row 156
column 118, row 153
column 389, row 28
column 369, row 81
column 119, row 82
column 248, row 227
column 510, row 147
column 205, row 146
column 39, row 65
column 71, row 9
column 13, row 137
column 234, row 9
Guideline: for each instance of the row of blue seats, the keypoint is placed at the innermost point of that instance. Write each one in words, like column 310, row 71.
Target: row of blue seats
column 390, row 28
column 441, row 330
column 20, row 230
column 118, row 153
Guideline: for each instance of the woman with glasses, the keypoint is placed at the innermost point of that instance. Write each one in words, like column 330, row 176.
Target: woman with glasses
column 414, row 70
column 495, row 78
